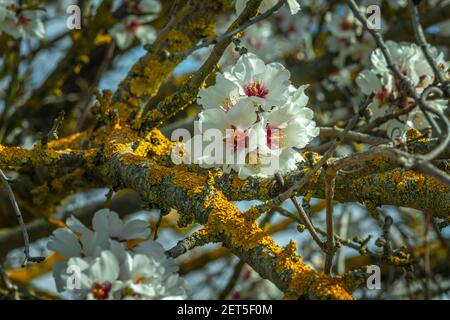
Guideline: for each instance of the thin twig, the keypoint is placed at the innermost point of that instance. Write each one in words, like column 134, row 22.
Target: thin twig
column 230, row 34
column 19, row 217
column 13, row 291
column 302, row 214
column 330, row 180
column 187, row 244
column 53, row 133
column 232, row 281
column 426, row 257
column 172, row 23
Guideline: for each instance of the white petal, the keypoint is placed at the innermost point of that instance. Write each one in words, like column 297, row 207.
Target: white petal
column 77, row 226
column 146, row 34
column 105, row 268
column 246, row 67
column 65, row 243
column 368, row 82
column 219, row 94
column 293, row 6
column 135, row 229
column 243, row 114
column 151, row 248
column 213, row 119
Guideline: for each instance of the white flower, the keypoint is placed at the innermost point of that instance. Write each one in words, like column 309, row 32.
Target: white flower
column 133, row 27
column 6, row 11
column 146, row 278
column 77, row 240
column 236, row 125
column 99, row 278
column 347, row 38
column 223, row 94
column 380, row 81
column 254, row 118
column 137, row 26
column 293, row 119
column 19, row 23
column 265, row 84
column 109, row 222
column 267, row 4
column 115, row 260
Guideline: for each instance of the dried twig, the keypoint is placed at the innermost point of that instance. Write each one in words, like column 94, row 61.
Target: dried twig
column 330, row 179
column 230, row 34
column 302, row 214
column 19, row 217
column 232, row 281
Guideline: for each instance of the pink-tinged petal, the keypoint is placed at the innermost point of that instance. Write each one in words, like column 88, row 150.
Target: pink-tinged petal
column 243, row 114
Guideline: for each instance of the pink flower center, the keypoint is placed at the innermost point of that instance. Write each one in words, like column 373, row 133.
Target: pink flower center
column 23, row 21
column 383, row 94
column 101, row 290
column 346, row 24
column 292, row 29
column 133, row 26
column 256, row 89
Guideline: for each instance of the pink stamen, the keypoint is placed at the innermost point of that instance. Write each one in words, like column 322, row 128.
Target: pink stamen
column 133, row 26
column 101, row 290
column 292, row 29
column 383, row 94
column 256, row 89
column 23, row 21
column 346, row 24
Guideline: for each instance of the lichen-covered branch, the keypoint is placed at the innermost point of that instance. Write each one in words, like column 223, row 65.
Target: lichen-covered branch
column 147, row 75
column 198, row 200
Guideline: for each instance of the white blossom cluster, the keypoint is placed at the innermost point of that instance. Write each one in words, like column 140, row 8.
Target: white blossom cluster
column 380, row 81
column 115, row 259
column 256, row 100
column 19, row 21
column 286, row 33
column 348, row 38
column 136, row 26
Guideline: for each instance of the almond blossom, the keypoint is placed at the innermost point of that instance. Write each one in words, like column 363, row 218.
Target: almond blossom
column 145, row 278
column 19, row 23
column 260, row 117
column 379, row 80
column 265, row 84
column 348, row 38
column 137, row 26
column 110, row 257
